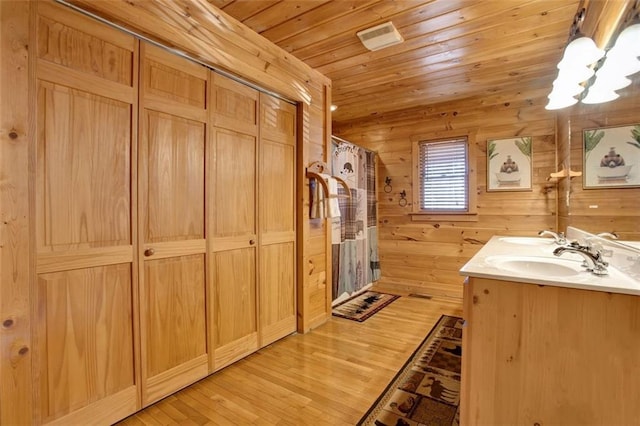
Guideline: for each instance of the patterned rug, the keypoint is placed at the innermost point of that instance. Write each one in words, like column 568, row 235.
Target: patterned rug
column 364, row 305
column 427, row 389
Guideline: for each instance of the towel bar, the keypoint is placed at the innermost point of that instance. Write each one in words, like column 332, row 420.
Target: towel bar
column 319, row 178
column 314, row 172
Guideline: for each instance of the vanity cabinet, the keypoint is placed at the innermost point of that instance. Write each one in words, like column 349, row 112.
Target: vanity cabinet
column 541, row 355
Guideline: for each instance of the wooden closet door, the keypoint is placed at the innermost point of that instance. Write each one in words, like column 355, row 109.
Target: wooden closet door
column 173, row 134
column 85, row 291
column 276, row 177
column 233, row 223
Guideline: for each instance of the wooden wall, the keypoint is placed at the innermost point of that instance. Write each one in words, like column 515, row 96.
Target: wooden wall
column 425, row 257
column 203, row 32
column 16, row 257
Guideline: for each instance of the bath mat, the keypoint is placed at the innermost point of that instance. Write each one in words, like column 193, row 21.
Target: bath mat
column 363, row 306
column 426, row 391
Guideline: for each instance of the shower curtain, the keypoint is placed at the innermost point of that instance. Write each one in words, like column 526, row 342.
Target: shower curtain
column 354, row 235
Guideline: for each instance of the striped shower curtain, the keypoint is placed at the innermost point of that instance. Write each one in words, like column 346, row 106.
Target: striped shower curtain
column 354, row 234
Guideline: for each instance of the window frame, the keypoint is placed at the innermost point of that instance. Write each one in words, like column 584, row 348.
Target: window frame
column 438, row 215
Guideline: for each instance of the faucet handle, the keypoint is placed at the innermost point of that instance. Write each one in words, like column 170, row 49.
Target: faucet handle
column 575, row 244
column 599, row 269
column 599, row 257
column 597, row 247
column 558, row 237
column 611, row 235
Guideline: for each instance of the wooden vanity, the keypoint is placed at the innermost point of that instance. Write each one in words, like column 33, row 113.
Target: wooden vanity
column 547, row 354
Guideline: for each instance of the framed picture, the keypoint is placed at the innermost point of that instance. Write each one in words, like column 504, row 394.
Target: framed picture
column 611, row 157
column 509, row 164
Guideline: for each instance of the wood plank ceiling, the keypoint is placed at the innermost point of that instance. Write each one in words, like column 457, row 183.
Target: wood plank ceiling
column 453, row 49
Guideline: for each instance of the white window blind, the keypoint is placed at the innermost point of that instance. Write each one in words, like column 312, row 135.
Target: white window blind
column 444, row 180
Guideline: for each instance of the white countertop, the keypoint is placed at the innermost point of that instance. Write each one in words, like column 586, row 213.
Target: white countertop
column 487, row 263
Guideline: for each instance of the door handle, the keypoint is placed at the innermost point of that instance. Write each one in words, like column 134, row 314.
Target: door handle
column 149, row 252
column 252, row 242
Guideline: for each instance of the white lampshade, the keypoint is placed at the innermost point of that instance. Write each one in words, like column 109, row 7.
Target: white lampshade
column 607, row 78
column 599, row 95
column 581, row 51
column 577, row 65
column 622, row 62
column 576, row 74
column 560, row 102
column 629, row 40
column 565, row 88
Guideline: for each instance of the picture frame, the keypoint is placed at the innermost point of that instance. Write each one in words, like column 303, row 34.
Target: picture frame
column 510, row 164
column 611, row 157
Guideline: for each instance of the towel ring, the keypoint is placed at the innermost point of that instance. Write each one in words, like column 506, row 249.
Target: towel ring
column 387, row 185
column 403, row 198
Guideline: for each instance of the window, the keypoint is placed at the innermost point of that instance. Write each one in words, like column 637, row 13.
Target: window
column 443, row 177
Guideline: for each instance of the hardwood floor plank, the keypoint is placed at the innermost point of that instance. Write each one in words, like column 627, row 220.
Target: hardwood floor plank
column 223, row 401
column 330, row 375
column 143, row 417
column 321, row 395
column 137, row 421
column 160, row 415
column 176, row 416
column 191, row 413
column 204, row 406
column 262, row 400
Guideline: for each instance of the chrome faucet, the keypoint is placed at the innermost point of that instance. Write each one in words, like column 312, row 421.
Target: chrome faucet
column 610, row 235
column 592, row 258
column 557, row 236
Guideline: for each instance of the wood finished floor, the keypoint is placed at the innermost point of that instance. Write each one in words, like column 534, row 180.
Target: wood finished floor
column 329, row 376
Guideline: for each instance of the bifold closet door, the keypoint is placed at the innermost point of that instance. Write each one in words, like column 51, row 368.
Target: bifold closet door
column 85, row 294
column 173, row 131
column 233, row 213
column 277, row 223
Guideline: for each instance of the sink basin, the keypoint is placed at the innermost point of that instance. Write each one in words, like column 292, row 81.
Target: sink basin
column 537, row 266
column 527, row 241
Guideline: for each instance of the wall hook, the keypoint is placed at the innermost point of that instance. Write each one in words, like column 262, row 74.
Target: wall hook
column 387, row 185
column 403, row 198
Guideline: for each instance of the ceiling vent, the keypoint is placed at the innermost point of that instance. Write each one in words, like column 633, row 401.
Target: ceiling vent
column 380, row 36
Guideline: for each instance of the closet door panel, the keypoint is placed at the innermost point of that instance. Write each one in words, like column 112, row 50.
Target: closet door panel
column 175, row 287
column 235, row 331
column 173, row 79
column 85, row 289
column 277, row 213
column 234, row 190
column 175, row 190
column 234, row 105
column 173, row 132
column 74, row 161
column 277, row 291
column 233, row 221
column 277, row 120
column 233, row 247
column 83, row 45
column 85, row 321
